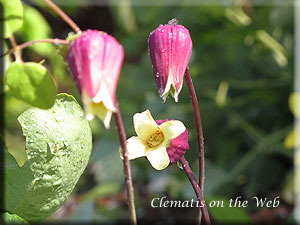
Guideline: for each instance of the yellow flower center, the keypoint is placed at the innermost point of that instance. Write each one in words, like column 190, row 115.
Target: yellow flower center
column 156, row 139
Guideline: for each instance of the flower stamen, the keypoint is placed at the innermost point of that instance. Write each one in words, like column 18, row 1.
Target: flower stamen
column 156, row 139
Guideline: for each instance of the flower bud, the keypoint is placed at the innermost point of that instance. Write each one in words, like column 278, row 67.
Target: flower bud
column 95, row 60
column 170, row 48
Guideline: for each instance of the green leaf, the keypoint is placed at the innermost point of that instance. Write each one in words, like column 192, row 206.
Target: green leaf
column 58, row 147
column 13, row 16
column 32, row 83
column 13, row 219
column 35, row 27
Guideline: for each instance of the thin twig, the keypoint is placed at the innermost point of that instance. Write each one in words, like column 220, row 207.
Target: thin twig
column 63, row 15
column 194, row 100
column 16, row 51
column 196, row 188
column 55, row 41
column 126, row 164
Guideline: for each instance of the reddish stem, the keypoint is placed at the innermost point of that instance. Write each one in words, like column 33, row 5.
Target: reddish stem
column 15, row 49
column 29, row 43
column 63, row 15
column 196, row 188
column 55, row 41
column 126, row 164
column 194, row 100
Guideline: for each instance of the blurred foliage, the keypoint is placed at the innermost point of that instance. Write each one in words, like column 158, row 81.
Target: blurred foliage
column 12, row 16
column 242, row 68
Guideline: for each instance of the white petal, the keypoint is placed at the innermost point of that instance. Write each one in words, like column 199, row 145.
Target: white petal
column 170, row 88
column 172, row 129
column 158, row 158
column 104, row 96
column 144, row 125
column 136, row 148
column 99, row 109
column 174, row 93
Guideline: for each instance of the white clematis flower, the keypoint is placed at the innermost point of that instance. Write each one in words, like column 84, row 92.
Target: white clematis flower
column 152, row 140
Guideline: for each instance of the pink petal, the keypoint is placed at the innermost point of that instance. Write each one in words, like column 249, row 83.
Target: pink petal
column 170, row 48
column 178, row 146
column 95, row 60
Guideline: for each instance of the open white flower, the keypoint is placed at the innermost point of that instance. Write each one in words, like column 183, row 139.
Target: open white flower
column 153, row 139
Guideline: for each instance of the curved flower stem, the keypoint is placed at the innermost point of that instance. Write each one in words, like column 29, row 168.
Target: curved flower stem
column 194, row 100
column 196, row 188
column 63, row 15
column 126, row 164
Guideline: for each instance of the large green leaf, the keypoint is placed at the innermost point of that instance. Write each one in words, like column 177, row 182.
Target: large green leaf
column 13, row 219
column 13, row 16
column 58, row 147
column 32, row 83
column 35, row 27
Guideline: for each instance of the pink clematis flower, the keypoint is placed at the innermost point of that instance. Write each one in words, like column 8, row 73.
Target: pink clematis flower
column 163, row 142
column 170, row 48
column 95, row 59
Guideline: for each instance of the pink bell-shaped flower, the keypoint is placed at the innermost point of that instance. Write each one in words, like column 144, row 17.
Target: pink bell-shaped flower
column 95, row 59
column 170, row 48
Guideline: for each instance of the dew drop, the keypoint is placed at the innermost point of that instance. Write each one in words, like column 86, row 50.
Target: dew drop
column 173, row 21
column 38, row 175
column 70, row 34
column 162, row 50
column 179, row 165
column 160, row 90
column 56, row 42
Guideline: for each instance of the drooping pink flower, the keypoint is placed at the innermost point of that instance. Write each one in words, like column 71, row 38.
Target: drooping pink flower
column 170, row 48
column 95, row 59
column 163, row 142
